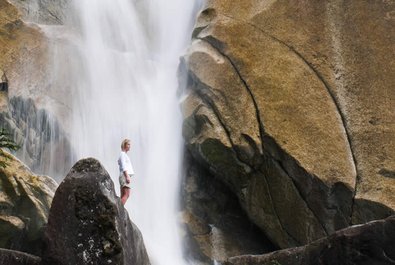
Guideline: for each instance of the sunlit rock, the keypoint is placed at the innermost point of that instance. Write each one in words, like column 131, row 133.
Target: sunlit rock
column 291, row 106
column 25, row 200
column 88, row 224
column 23, row 52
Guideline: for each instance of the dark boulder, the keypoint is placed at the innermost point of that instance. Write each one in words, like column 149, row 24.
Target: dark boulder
column 88, row 224
column 369, row 244
column 12, row 257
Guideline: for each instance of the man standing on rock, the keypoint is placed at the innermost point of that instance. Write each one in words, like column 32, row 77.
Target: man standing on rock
column 125, row 171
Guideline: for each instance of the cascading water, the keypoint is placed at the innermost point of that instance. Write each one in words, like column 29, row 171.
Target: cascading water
column 124, row 86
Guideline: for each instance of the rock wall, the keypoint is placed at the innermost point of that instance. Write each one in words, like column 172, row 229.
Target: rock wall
column 23, row 52
column 32, row 108
column 290, row 105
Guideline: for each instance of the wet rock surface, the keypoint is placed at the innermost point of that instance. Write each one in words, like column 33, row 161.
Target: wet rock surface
column 88, row 223
column 371, row 243
column 25, row 200
column 44, row 146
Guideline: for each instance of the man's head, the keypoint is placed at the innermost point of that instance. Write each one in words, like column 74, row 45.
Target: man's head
column 125, row 145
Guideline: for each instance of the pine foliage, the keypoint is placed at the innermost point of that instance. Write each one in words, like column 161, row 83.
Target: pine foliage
column 6, row 142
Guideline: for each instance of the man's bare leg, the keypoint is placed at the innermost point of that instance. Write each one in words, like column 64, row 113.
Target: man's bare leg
column 125, row 193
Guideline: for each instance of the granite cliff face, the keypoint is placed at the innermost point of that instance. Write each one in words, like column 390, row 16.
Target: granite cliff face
column 32, row 107
column 23, row 52
column 291, row 106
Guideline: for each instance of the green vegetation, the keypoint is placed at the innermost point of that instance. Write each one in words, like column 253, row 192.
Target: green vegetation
column 6, row 143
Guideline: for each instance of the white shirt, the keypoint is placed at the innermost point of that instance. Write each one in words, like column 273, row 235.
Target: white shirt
column 125, row 164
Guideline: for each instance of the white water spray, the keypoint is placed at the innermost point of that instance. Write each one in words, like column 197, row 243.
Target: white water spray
column 125, row 86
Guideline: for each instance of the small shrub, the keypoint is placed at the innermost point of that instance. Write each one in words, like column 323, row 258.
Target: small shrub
column 6, row 142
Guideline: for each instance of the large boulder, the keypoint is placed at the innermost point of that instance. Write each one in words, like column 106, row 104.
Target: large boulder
column 25, row 200
column 371, row 243
column 88, row 224
column 290, row 105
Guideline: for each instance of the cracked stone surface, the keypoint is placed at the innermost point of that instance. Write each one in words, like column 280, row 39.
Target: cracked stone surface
column 291, row 106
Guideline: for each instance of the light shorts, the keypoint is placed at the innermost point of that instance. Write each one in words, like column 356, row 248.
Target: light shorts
column 122, row 181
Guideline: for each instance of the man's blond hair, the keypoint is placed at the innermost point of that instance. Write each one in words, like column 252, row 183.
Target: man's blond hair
column 124, row 143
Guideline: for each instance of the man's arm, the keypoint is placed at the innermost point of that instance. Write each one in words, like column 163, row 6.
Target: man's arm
column 125, row 172
column 127, row 177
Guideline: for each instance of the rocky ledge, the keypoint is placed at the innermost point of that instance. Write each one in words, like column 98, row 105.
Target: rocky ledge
column 372, row 243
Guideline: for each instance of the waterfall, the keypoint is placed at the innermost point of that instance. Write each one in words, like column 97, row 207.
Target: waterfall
column 123, row 80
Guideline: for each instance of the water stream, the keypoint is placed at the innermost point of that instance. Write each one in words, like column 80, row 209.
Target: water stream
column 124, row 85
